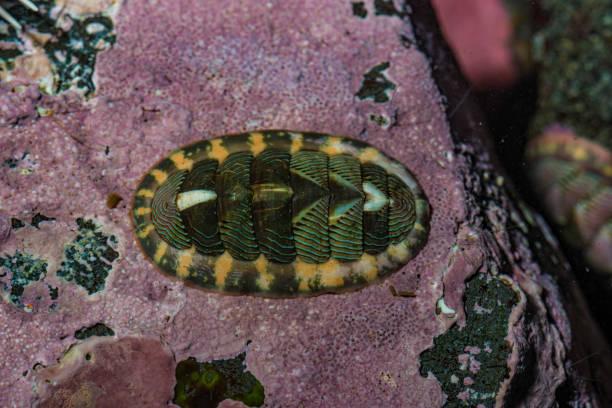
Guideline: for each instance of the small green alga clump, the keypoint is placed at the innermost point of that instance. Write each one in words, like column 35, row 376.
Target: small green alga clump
column 38, row 218
column 575, row 72
column 16, row 223
column 98, row 329
column 23, row 269
column 205, row 385
column 375, row 85
column 470, row 362
column 89, row 257
column 72, row 52
column 359, row 9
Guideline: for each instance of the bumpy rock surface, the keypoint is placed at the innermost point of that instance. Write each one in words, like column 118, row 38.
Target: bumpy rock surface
column 472, row 320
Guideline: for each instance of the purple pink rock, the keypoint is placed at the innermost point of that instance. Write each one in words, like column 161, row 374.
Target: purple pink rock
column 181, row 71
column 102, row 372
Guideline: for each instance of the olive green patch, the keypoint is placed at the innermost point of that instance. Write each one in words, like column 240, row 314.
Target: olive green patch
column 53, row 292
column 574, row 81
column 359, row 9
column 72, row 53
column 24, row 164
column 16, row 223
column 11, row 163
column 387, row 8
column 205, row 385
column 98, row 329
column 380, row 120
column 38, row 218
column 24, row 269
column 375, row 85
column 89, row 257
column 472, row 361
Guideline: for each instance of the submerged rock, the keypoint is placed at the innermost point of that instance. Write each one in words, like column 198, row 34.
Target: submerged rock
column 484, row 283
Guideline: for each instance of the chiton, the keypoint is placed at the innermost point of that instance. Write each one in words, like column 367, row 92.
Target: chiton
column 279, row 213
column 573, row 178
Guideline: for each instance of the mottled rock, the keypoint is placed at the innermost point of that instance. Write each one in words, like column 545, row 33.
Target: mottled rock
column 17, row 102
column 5, row 227
column 101, row 372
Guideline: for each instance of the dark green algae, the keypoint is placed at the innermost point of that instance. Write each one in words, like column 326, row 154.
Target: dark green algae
column 98, row 329
column 375, row 84
column 89, row 257
column 72, row 53
column 205, row 385
column 472, row 360
column 572, row 50
column 88, row 260
column 24, row 269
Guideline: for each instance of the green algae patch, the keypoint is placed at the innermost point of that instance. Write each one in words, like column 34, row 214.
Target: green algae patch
column 387, row 8
column 71, row 45
column 573, row 53
column 359, row 9
column 471, row 362
column 53, row 292
column 380, row 120
column 74, row 53
column 24, row 269
column 38, row 218
column 89, row 257
column 98, row 329
column 375, row 85
column 205, row 385
column 16, row 223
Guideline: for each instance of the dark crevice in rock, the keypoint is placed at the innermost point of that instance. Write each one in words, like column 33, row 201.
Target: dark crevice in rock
column 467, row 126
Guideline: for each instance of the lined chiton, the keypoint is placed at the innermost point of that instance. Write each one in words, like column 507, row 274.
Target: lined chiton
column 280, row 213
column 573, row 178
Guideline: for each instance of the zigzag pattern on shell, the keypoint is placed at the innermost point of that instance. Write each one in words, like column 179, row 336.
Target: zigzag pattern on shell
column 279, row 213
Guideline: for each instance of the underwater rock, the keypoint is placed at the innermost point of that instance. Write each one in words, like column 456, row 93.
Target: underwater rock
column 179, row 73
column 102, row 372
column 5, row 227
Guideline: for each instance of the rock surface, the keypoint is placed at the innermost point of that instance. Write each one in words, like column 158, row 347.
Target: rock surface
column 485, row 324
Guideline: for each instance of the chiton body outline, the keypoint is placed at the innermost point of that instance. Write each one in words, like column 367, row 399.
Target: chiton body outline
column 573, row 178
column 290, row 209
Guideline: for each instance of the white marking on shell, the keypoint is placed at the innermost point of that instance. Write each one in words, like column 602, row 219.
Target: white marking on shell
column 375, row 199
column 190, row 198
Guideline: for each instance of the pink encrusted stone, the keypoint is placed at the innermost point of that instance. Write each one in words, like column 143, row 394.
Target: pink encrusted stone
column 181, row 71
column 105, row 372
column 5, row 227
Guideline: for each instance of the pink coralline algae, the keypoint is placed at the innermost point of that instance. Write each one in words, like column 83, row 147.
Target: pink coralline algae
column 182, row 71
column 105, row 372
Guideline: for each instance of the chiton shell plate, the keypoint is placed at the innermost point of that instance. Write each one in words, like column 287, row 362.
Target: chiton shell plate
column 279, row 213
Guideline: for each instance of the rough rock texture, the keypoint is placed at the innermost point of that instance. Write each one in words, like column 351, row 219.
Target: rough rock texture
column 182, row 70
column 107, row 373
column 522, row 239
column 571, row 92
